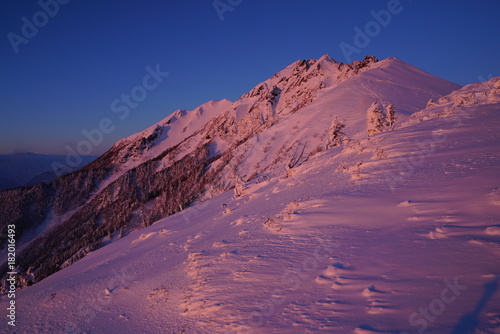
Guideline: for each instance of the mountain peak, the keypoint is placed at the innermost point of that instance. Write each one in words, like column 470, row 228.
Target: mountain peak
column 326, row 57
column 308, row 107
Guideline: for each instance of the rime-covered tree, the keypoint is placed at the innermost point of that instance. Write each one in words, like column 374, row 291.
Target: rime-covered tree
column 336, row 134
column 380, row 118
column 375, row 117
column 239, row 186
column 390, row 116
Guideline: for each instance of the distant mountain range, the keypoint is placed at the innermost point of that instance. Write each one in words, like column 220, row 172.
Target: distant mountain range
column 28, row 169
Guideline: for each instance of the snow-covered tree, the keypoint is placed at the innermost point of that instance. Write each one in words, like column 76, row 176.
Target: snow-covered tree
column 375, row 117
column 336, row 134
column 239, row 186
column 390, row 116
column 380, row 118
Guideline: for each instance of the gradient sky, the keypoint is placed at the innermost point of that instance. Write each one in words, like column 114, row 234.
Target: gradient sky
column 65, row 78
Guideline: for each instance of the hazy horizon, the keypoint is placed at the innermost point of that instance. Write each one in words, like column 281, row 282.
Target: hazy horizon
column 67, row 67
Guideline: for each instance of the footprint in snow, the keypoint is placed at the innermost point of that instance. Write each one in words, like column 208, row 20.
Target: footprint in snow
column 372, row 291
column 367, row 329
column 445, row 231
column 447, row 219
column 492, row 230
column 237, row 222
column 190, row 240
column 376, row 304
column 405, row 203
column 495, row 196
column 219, row 244
column 143, row 237
column 493, row 320
column 163, row 232
column 332, row 275
column 492, row 246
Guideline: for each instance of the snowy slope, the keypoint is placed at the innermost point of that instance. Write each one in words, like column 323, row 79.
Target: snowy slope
column 307, row 132
column 175, row 128
column 169, row 132
column 395, row 233
column 278, row 125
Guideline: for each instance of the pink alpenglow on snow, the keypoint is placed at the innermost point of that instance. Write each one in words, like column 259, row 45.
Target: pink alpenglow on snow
column 331, row 198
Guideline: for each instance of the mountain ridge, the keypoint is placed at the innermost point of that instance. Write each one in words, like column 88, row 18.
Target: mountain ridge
column 200, row 154
column 383, row 232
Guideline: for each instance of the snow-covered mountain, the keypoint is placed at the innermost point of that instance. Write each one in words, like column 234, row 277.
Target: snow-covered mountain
column 332, row 198
column 316, row 84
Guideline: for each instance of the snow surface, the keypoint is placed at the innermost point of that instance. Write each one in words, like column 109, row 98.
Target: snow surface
column 393, row 233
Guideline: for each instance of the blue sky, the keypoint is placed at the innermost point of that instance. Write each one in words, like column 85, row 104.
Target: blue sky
column 64, row 78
